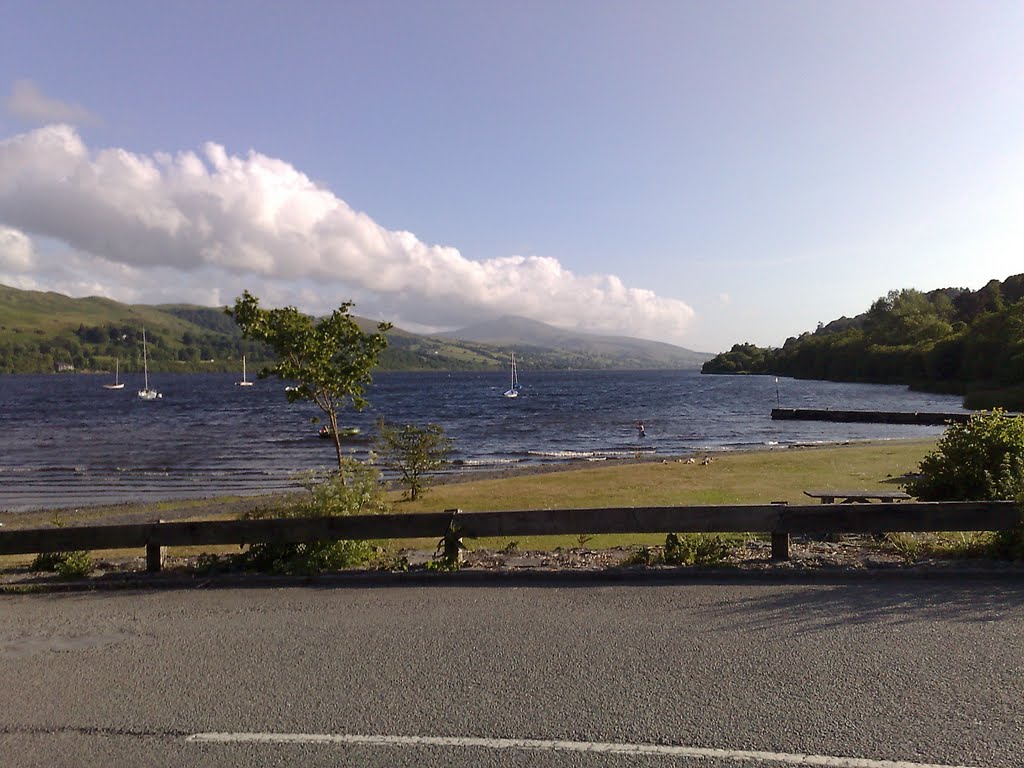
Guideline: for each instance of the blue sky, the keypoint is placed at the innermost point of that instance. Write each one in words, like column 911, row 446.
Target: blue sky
column 700, row 173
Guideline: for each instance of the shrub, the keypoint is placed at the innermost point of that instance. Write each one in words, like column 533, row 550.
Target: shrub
column 685, row 549
column 68, row 565
column 696, row 549
column 355, row 489
column 980, row 460
column 643, row 556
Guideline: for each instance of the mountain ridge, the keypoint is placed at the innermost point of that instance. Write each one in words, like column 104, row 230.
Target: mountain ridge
column 514, row 330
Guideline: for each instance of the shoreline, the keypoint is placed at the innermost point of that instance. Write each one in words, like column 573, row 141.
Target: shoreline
column 213, row 505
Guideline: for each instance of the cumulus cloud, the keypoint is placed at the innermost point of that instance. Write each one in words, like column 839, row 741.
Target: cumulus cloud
column 17, row 254
column 29, row 103
column 215, row 219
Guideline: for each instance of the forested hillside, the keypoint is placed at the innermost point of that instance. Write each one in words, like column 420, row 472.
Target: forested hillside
column 951, row 339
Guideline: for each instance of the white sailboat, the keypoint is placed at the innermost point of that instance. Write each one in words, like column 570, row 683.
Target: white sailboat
column 146, row 393
column 244, row 382
column 513, row 390
column 117, row 384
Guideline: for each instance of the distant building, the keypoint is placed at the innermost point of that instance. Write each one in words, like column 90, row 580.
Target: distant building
column 63, row 367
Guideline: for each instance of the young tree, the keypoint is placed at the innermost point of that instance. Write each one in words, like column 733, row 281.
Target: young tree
column 413, row 452
column 329, row 359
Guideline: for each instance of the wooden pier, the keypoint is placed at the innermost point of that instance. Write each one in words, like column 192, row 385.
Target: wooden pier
column 869, row 417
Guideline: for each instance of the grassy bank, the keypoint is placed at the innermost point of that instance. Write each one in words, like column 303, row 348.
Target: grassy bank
column 731, row 478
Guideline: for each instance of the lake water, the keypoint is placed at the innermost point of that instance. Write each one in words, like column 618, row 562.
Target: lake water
column 66, row 441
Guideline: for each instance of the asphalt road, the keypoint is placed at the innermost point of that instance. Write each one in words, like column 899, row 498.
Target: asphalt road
column 610, row 674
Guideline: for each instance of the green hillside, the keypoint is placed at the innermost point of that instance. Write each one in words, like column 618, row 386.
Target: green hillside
column 45, row 332
column 949, row 340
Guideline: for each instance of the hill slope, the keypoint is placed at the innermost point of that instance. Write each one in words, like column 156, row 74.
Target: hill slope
column 41, row 331
column 521, row 333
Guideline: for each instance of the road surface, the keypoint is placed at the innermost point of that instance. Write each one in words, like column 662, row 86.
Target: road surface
column 519, row 673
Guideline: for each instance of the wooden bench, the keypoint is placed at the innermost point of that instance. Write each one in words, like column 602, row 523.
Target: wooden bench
column 857, row 497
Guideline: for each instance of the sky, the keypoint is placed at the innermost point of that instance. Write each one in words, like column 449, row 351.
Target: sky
column 700, row 173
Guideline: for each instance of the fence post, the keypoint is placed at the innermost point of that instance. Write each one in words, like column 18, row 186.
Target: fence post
column 155, row 555
column 780, row 541
column 450, row 547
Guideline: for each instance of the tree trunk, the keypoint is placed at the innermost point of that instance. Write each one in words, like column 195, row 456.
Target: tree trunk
column 333, row 416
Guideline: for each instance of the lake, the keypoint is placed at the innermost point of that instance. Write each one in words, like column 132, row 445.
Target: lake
column 66, row 441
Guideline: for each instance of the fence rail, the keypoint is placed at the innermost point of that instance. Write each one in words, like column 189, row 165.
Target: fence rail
column 780, row 520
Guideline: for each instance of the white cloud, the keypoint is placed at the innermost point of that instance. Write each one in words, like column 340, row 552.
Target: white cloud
column 29, row 103
column 211, row 223
column 16, row 252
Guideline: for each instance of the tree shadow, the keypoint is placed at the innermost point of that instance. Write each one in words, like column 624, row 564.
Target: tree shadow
column 894, row 601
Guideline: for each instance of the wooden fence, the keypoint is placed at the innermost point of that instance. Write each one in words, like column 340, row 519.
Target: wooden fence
column 779, row 519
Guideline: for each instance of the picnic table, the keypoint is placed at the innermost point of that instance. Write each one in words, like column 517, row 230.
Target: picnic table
column 857, row 497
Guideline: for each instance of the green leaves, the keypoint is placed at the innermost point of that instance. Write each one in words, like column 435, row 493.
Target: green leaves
column 330, row 359
column 981, row 460
column 413, row 452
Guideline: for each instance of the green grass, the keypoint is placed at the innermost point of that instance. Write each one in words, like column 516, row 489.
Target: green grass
column 755, row 477
column 736, row 478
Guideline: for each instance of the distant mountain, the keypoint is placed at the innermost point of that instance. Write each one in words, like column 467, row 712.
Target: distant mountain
column 587, row 349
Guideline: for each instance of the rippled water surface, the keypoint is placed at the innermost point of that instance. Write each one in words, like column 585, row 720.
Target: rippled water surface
column 64, row 440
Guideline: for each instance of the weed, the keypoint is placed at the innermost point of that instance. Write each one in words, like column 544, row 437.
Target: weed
column 448, row 555
column 397, row 564
column 643, row 556
column 909, row 547
column 696, row 549
column 68, row 565
column 1009, row 545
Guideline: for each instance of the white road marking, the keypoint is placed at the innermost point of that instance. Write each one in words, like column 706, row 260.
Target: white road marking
column 554, row 746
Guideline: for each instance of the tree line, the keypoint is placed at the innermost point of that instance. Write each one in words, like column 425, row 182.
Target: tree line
column 951, row 340
column 98, row 347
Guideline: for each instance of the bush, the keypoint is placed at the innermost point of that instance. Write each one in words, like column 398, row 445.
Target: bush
column 696, row 549
column 308, row 558
column 643, row 556
column 685, row 549
column 355, row 489
column 68, row 565
column 980, row 460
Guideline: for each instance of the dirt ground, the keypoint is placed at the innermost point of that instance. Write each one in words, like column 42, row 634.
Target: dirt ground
column 851, row 555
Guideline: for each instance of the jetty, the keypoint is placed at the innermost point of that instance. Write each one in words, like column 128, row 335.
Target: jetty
column 869, row 417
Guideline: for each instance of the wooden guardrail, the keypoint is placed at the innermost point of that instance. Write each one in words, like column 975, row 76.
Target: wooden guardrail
column 780, row 520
